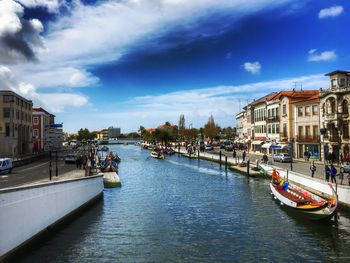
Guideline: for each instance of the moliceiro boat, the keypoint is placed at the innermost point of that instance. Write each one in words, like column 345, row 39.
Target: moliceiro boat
column 309, row 205
column 157, row 155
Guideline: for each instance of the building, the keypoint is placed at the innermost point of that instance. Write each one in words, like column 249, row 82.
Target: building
column 334, row 108
column 15, row 124
column 113, row 133
column 47, row 135
column 307, row 126
column 239, row 126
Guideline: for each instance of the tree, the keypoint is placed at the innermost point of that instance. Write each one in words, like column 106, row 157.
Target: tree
column 211, row 129
column 85, row 134
column 182, row 125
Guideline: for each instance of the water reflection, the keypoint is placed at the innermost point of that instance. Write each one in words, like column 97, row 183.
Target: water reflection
column 181, row 210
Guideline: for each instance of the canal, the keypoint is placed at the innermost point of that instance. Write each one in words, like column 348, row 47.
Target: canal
column 181, row 210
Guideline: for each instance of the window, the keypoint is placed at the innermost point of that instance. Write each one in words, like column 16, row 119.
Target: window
column 7, row 129
column 36, row 133
column 8, row 98
column 345, row 131
column 273, row 112
column 300, row 130
column 345, row 107
column 307, row 131
column 35, row 120
column 284, row 129
column 284, row 109
column 315, row 110
column 307, row 111
column 277, row 112
column 315, row 130
column 334, row 83
column 277, row 128
column 269, row 128
column 273, row 128
column 7, row 113
column 300, row 111
column 342, row 82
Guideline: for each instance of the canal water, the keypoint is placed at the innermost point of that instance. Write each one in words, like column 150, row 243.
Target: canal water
column 181, row 210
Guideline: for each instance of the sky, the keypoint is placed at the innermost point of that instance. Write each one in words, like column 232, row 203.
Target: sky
column 126, row 63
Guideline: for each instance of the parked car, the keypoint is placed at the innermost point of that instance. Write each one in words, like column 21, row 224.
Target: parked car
column 229, row 148
column 70, row 158
column 346, row 167
column 209, row 147
column 282, row 157
column 5, row 165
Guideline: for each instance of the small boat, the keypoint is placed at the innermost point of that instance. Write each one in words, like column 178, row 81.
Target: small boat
column 109, row 166
column 155, row 154
column 111, row 180
column 309, row 205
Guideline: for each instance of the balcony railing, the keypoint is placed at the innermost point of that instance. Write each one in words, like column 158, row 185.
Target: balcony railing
column 334, row 138
column 308, row 138
column 272, row 119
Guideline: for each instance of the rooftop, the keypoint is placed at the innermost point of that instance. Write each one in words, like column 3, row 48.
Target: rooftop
column 338, row 72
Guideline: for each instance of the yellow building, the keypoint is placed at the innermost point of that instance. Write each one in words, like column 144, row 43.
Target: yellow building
column 15, row 124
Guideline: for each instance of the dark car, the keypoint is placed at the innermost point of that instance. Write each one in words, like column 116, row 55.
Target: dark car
column 209, row 147
column 229, row 148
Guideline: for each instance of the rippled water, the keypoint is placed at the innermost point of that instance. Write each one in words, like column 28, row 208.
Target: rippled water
column 181, row 210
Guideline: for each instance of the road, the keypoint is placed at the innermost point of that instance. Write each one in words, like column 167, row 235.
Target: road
column 34, row 172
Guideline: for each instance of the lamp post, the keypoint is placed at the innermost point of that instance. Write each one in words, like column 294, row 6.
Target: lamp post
column 340, row 132
column 323, row 133
column 291, row 154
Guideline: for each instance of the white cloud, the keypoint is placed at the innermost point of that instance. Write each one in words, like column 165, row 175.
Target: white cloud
column 252, row 67
column 223, row 102
column 10, row 12
column 323, row 56
column 54, row 102
column 330, row 12
column 51, row 5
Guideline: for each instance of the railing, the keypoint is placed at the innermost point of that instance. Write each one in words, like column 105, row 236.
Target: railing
column 334, row 138
column 308, row 138
column 273, row 119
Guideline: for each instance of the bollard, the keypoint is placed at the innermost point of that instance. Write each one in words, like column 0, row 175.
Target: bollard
column 198, row 154
column 220, row 157
column 248, row 167
column 178, row 150
column 226, row 162
column 56, row 165
column 50, row 167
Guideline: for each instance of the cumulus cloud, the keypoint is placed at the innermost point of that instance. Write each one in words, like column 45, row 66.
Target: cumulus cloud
column 50, row 5
column 330, row 12
column 54, row 102
column 323, row 56
column 223, row 102
column 19, row 38
column 252, row 67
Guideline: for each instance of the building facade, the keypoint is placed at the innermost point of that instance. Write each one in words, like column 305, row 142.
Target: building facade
column 15, row 124
column 113, row 133
column 41, row 119
column 334, row 108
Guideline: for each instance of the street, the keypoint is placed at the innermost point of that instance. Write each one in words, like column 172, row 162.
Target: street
column 33, row 172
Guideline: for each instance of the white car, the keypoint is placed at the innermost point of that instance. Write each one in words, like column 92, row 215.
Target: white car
column 70, row 158
column 5, row 165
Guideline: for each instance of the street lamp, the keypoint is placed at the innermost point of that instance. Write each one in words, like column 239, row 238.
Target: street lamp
column 323, row 132
column 291, row 154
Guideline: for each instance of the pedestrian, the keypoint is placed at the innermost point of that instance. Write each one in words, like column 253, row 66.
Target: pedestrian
column 341, row 174
column 234, row 154
column 243, row 155
column 313, row 169
column 265, row 158
column 327, row 172
column 77, row 162
column 341, row 158
column 305, row 155
column 308, row 156
column 333, row 172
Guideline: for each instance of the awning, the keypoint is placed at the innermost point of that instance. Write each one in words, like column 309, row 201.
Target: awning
column 257, row 142
column 266, row 145
column 280, row 146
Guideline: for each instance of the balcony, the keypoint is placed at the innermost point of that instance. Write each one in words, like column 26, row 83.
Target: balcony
column 271, row 119
column 330, row 116
column 308, row 138
column 335, row 138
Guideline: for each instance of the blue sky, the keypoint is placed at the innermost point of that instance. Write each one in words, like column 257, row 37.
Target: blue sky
column 128, row 63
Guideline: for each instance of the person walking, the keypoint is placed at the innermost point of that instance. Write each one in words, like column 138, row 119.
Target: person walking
column 333, row 171
column 305, row 155
column 313, row 169
column 341, row 174
column 327, row 172
column 243, row 155
column 234, row 154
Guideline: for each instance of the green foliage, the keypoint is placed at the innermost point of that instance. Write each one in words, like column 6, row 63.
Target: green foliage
column 211, row 129
column 85, row 134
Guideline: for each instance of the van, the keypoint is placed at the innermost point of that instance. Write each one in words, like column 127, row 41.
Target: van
column 5, row 165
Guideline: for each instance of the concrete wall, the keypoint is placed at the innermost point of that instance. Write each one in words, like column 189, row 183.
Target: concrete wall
column 26, row 211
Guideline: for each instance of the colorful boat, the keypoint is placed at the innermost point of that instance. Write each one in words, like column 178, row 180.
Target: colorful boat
column 309, row 205
column 156, row 155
